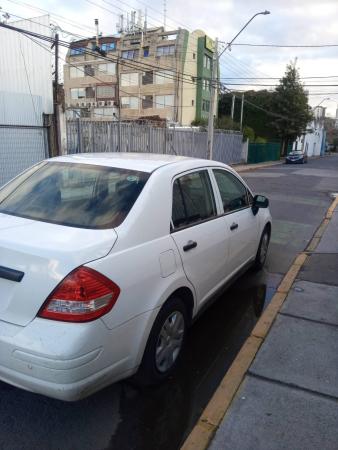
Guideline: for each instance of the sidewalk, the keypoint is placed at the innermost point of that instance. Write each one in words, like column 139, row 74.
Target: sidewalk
column 289, row 396
column 281, row 391
column 246, row 167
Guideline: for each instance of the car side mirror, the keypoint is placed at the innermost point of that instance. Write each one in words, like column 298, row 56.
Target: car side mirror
column 259, row 201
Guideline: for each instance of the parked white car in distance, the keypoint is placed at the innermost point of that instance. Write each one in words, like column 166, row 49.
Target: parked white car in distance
column 106, row 259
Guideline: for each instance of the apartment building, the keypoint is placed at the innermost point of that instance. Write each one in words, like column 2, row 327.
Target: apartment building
column 90, row 80
column 164, row 74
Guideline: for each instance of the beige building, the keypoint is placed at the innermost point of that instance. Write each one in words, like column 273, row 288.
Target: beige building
column 153, row 73
column 90, row 81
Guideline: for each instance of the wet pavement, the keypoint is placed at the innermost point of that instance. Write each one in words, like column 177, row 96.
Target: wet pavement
column 123, row 417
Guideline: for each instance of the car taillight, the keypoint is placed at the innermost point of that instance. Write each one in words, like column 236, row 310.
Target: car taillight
column 82, row 296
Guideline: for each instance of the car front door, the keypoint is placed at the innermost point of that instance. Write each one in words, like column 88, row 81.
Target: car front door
column 240, row 222
column 198, row 232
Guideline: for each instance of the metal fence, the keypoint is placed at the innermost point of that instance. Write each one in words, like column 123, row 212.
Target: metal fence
column 263, row 152
column 20, row 147
column 99, row 136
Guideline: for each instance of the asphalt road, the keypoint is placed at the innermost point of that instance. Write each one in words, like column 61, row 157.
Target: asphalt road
column 122, row 417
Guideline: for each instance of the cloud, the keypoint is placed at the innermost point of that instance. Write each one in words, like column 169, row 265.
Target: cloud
column 290, row 22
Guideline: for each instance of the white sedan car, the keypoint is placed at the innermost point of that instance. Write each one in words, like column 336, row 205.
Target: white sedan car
column 106, row 259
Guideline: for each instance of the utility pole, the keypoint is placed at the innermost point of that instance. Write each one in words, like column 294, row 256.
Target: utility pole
column 119, row 104
column 56, row 96
column 213, row 91
column 233, row 106
column 242, row 108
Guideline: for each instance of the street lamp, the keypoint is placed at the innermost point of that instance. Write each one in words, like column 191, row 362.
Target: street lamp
column 213, row 89
column 263, row 13
column 324, row 99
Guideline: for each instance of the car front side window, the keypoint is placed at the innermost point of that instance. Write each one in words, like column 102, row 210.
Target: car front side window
column 233, row 193
column 193, row 199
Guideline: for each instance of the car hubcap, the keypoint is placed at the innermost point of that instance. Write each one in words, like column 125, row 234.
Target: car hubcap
column 264, row 247
column 170, row 341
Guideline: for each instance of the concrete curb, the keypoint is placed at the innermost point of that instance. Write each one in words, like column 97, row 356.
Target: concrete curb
column 247, row 168
column 201, row 435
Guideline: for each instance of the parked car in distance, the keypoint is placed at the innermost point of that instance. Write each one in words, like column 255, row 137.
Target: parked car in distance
column 296, row 157
column 106, row 260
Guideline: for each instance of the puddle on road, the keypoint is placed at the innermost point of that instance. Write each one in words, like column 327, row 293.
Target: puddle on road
column 162, row 417
column 122, row 417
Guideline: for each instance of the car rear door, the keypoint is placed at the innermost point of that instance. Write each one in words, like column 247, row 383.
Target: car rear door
column 198, row 232
column 241, row 226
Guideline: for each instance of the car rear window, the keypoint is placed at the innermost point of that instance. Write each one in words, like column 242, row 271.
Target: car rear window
column 76, row 195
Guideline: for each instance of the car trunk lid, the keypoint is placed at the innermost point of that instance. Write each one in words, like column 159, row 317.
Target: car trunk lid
column 35, row 256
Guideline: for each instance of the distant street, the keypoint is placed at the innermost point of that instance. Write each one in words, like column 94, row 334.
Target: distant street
column 123, row 417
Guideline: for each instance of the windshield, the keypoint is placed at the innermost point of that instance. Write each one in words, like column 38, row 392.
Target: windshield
column 77, row 195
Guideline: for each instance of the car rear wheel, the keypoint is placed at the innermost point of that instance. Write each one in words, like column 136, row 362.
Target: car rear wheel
column 165, row 344
column 262, row 249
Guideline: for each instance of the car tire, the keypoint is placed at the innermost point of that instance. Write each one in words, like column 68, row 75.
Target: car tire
column 165, row 344
column 262, row 249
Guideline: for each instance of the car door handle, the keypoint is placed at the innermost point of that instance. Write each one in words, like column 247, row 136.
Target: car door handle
column 189, row 245
column 234, row 226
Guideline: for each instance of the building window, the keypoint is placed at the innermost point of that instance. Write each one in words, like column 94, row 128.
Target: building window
column 89, row 71
column 145, row 52
column 76, row 93
column 194, row 56
column 207, row 62
column 90, row 92
column 165, row 50
column 106, row 91
column 206, row 85
column 192, row 102
column 109, row 68
column 148, row 78
column 104, row 112
column 164, row 77
column 130, row 54
column 147, row 102
column 108, row 46
column 85, row 113
column 130, row 102
column 130, row 79
column 77, row 51
column 164, row 101
column 76, row 72
column 205, row 105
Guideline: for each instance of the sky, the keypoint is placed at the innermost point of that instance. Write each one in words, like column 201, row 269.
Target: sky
column 290, row 22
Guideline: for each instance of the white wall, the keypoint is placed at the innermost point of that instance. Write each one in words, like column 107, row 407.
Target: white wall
column 311, row 142
column 26, row 89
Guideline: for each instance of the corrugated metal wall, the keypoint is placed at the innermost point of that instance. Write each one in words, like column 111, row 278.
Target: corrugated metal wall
column 26, row 92
column 26, row 86
column 97, row 136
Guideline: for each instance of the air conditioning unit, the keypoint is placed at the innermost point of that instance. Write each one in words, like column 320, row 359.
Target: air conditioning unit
column 110, row 103
column 78, row 105
column 83, row 104
column 101, row 103
column 94, row 104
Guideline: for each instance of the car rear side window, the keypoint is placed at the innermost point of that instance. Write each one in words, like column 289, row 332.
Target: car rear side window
column 233, row 193
column 77, row 195
column 193, row 199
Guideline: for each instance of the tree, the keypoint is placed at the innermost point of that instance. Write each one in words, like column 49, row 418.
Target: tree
column 253, row 117
column 290, row 108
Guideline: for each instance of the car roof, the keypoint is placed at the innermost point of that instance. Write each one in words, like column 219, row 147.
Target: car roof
column 144, row 162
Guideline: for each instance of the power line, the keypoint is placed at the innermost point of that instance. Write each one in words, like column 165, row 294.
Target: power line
column 107, row 83
column 28, row 82
column 275, row 85
column 284, row 46
column 277, row 78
